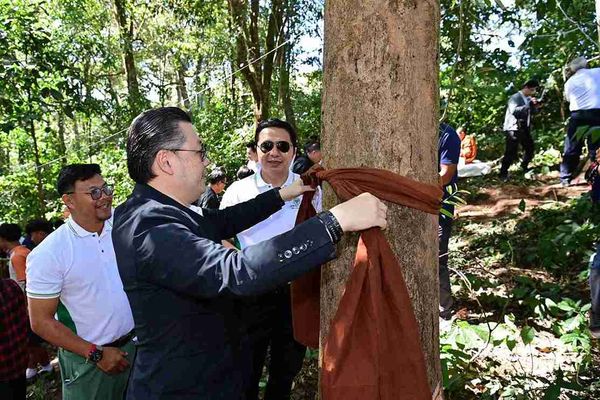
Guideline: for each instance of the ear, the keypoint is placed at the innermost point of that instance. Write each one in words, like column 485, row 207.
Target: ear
column 67, row 201
column 162, row 162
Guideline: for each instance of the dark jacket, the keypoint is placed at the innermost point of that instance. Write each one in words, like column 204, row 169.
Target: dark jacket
column 183, row 287
column 301, row 165
column 518, row 113
column 209, row 199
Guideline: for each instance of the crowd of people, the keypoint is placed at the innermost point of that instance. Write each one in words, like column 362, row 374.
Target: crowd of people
column 182, row 291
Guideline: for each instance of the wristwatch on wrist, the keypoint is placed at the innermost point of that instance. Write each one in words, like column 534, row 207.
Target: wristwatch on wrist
column 95, row 354
column 331, row 225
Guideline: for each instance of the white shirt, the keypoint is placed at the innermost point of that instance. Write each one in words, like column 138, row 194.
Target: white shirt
column 582, row 90
column 282, row 221
column 80, row 268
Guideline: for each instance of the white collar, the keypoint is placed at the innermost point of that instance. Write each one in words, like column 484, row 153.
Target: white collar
column 81, row 232
column 260, row 182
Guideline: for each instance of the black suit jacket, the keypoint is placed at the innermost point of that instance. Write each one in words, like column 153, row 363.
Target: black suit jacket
column 301, row 165
column 183, row 287
column 209, row 199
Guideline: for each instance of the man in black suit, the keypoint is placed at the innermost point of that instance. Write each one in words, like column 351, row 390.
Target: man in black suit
column 217, row 180
column 182, row 284
column 312, row 155
column 517, row 127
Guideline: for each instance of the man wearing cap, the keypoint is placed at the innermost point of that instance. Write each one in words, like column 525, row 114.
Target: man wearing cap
column 582, row 91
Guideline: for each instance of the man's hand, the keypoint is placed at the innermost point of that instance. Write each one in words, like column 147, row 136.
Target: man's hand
column 113, row 361
column 362, row 212
column 294, row 190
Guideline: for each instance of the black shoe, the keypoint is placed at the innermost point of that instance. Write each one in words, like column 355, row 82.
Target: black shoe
column 503, row 177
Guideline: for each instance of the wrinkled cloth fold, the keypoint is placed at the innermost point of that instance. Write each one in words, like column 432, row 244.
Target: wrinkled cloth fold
column 373, row 350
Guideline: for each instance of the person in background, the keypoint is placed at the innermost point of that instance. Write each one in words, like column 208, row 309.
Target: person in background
column 13, row 341
column 468, row 146
column 448, row 155
column 37, row 230
column 243, row 172
column 9, row 241
column 517, row 127
column 17, row 253
column 582, row 91
column 593, row 177
column 251, row 156
column 217, row 180
column 312, row 155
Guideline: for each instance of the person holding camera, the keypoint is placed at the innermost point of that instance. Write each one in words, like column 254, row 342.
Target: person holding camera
column 517, row 126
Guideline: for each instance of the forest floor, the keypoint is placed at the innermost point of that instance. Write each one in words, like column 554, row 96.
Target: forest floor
column 519, row 274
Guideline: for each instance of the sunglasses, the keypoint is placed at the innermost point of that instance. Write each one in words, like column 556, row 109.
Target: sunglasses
column 96, row 192
column 268, row 145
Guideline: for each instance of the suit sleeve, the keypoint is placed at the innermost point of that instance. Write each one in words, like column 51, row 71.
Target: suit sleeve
column 239, row 217
column 169, row 254
column 518, row 111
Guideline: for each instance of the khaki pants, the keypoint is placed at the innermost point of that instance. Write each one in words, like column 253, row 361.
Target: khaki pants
column 82, row 380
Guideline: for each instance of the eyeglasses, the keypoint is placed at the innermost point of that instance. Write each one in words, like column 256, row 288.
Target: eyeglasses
column 268, row 145
column 202, row 152
column 96, row 192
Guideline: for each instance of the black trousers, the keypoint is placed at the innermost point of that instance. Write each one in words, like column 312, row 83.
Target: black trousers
column 573, row 147
column 268, row 320
column 13, row 390
column 511, row 151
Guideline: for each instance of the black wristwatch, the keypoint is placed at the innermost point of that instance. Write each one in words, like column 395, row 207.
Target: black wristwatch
column 331, row 225
column 95, row 354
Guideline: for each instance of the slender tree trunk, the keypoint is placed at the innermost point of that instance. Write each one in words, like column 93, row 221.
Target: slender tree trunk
column 126, row 33
column 598, row 19
column 284, row 86
column 380, row 109
column 38, row 169
column 182, row 87
column 62, row 145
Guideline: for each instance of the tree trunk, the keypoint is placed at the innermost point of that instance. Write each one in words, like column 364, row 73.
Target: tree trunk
column 598, row 19
column 62, row 145
column 38, row 170
column 380, row 109
column 126, row 33
column 284, row 86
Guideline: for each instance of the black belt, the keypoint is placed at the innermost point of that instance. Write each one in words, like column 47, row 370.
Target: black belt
column 122, row 341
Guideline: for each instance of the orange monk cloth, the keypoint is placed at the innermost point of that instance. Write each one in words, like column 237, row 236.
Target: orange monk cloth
column 373, row 350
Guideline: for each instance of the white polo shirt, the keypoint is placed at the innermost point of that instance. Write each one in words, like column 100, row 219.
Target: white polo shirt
column 280, row 222
column 582, row 90
column 80, row 268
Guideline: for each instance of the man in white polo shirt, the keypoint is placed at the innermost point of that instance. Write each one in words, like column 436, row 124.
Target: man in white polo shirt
column 73, row 275
column 268, row 316
column 582, row 91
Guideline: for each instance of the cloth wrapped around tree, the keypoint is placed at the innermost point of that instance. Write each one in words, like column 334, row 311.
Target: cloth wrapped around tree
column 373, row 350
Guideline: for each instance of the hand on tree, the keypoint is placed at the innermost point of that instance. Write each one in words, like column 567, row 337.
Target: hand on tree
column 113, row 361
column 362, row 212
column 294, row 190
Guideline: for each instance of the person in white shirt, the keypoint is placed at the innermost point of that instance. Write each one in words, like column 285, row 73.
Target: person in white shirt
column 73, row 274
column 582, row 91
column 268, row 316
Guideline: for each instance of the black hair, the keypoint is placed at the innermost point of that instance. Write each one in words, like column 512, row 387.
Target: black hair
column 150, row 132
column 251, row 145
column 532, row 83
column 244, row 172
column 217, row 175
column 10, row 232
column 38, row 225
column 276, row 123
column 69, row 174
column 312, row 145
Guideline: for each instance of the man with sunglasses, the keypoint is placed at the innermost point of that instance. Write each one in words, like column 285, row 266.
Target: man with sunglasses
column 268, row 316
column 183, row 285
column 73, row 274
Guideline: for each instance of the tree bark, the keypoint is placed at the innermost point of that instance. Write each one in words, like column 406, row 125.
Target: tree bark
column 126, row 33
column 380, row 109
column 284, row 86
column 38, row 170
column 257, row 74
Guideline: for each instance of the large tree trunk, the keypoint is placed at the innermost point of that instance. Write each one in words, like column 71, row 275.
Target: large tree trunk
column 126, row 34
column 380, row 109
